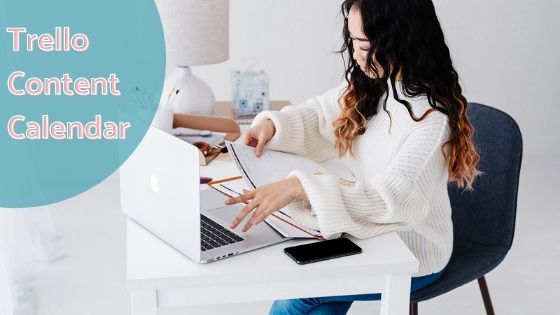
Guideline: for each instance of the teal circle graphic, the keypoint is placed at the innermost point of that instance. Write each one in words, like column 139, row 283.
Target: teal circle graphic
column 80, row 82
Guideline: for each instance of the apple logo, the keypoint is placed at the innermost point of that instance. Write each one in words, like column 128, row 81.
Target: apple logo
column 154, row 182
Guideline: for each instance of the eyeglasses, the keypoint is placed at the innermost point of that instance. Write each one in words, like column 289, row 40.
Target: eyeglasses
column 206, row 148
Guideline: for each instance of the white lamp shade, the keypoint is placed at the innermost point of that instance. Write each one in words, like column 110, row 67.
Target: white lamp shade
column 196, row 31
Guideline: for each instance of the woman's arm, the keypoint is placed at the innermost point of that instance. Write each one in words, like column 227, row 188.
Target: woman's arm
column 395, row 200
column 306, row 129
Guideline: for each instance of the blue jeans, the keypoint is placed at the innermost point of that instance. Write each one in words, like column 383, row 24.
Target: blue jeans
column 336, row 305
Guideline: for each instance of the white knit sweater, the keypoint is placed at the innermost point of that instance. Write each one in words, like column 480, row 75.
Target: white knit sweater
column 400, row 171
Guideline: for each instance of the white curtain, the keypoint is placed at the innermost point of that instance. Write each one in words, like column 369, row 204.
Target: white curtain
column 6, row 304
column 27, row 237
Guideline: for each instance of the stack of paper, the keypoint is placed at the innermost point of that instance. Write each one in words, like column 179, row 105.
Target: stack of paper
column 270, row 167
column 280, row 221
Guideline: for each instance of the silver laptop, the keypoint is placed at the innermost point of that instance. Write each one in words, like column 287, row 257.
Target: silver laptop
column 160, row 190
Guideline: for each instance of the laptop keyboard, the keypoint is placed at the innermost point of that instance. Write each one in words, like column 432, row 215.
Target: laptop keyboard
column 214, row 235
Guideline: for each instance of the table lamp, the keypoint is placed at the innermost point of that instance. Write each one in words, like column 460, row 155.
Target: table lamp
column 196, row 33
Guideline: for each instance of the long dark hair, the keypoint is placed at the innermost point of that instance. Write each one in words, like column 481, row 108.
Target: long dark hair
column 407, row 44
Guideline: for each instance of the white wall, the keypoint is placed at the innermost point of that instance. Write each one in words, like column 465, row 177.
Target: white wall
column 506, row 52
column 292, row 40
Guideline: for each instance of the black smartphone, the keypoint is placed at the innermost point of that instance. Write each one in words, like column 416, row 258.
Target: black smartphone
column 323, row 250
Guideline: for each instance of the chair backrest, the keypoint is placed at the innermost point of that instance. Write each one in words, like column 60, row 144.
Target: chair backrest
column 486, row 215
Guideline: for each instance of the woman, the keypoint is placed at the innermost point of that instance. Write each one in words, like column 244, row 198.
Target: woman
column 398, row 123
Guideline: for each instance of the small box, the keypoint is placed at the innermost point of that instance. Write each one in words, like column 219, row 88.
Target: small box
column 249, row 92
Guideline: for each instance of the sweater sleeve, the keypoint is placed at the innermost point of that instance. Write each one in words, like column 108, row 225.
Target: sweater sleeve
column 306, row 129
column 395, row 200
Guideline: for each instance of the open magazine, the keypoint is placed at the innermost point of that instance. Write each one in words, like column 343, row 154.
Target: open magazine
column 271, row 166
column 280, row 221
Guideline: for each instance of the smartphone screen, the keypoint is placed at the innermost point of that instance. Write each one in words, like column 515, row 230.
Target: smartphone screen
column 323, row 250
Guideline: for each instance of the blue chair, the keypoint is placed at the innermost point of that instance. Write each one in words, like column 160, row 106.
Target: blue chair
column 484, row 218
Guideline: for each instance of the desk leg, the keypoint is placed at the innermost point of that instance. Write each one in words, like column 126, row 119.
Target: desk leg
column 144, row 302
column 396, row 298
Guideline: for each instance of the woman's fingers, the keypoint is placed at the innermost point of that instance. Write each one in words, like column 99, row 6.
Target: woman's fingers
column 260, row 145
column 251, row 221
column 248, row 195
column 247, row 137
column 256, row 219
column 261, row 213
column 251, row 141
column 262, row 216
column 264, row 201
column 244, row 212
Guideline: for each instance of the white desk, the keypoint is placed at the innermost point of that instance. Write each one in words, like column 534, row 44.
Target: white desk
column 160, row 277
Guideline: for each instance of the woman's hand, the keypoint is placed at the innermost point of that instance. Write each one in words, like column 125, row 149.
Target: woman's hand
column 259, row 135
column 266, row 200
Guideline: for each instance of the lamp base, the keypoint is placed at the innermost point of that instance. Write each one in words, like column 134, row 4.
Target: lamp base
column 194, row 96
